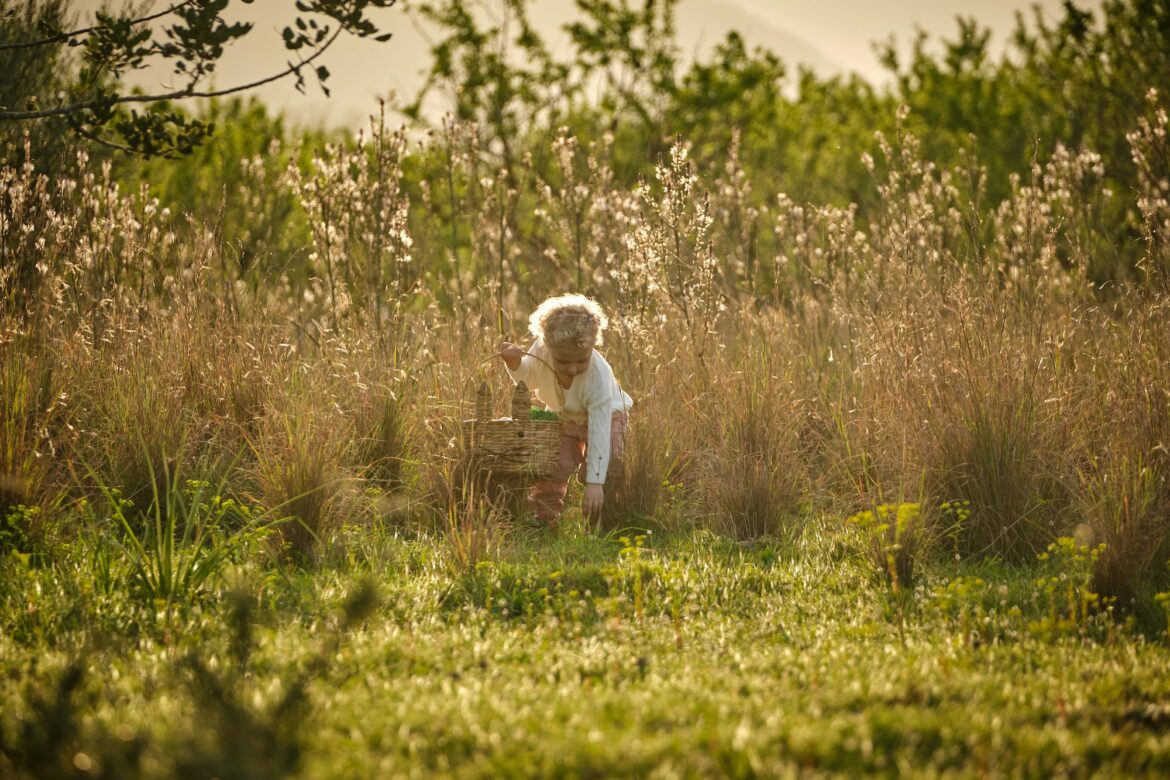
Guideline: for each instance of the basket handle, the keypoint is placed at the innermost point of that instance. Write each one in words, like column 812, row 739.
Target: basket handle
column 483, row 395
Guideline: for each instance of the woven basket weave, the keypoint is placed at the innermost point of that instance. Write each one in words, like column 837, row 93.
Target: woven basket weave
column 516, row 446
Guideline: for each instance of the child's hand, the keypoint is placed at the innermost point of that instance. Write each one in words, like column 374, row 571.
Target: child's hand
column 594, row 498
column 511, row 354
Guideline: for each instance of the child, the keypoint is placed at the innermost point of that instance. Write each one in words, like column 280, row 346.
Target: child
column 570, row 377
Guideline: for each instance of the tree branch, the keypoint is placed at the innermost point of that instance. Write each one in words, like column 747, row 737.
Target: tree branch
column 62, row 37
column 177, row 95
column 81, row 131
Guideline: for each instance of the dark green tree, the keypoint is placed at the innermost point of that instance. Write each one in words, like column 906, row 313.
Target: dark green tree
column 492, row 69
column 189, row 36
column 1078, row 79
column 29, row 72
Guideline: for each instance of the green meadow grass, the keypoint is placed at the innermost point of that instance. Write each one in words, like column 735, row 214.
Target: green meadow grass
column 575, row 655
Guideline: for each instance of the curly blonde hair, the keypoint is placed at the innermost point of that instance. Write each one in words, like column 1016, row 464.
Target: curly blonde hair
column 568, row 320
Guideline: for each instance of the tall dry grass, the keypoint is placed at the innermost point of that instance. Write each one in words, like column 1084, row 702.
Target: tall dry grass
column 785, row 358
column 33, row 426
column 1122, row 480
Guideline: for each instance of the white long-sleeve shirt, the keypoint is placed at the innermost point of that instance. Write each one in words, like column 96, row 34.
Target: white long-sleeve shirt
column 593, row 398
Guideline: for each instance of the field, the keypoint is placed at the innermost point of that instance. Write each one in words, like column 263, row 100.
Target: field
column 896, row 490
column 583, row 656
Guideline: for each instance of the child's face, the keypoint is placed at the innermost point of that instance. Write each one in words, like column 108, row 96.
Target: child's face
column 570, row 361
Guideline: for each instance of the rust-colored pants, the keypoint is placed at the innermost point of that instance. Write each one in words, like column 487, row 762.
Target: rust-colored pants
column 547, row 498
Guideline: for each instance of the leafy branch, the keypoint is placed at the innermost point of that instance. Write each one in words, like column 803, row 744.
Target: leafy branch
column 195, row 38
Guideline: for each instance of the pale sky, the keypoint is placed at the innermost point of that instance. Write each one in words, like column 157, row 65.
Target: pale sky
column 831, row 36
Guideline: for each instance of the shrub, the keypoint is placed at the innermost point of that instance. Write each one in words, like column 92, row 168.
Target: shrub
column 299, row 473
column 634, row 484
column 181, row 541
column 753, row 470
column 1065, row 588
column 895, row 535
column 30, row 419
column 997, row 459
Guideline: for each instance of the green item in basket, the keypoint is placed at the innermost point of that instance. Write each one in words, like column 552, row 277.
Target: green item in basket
column 543, row 414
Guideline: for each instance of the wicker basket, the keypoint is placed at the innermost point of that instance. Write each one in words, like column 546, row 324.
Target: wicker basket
column 516, row 446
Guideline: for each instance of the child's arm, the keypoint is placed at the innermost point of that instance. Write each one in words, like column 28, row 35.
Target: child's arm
column 511, row 354
column 597, row 455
